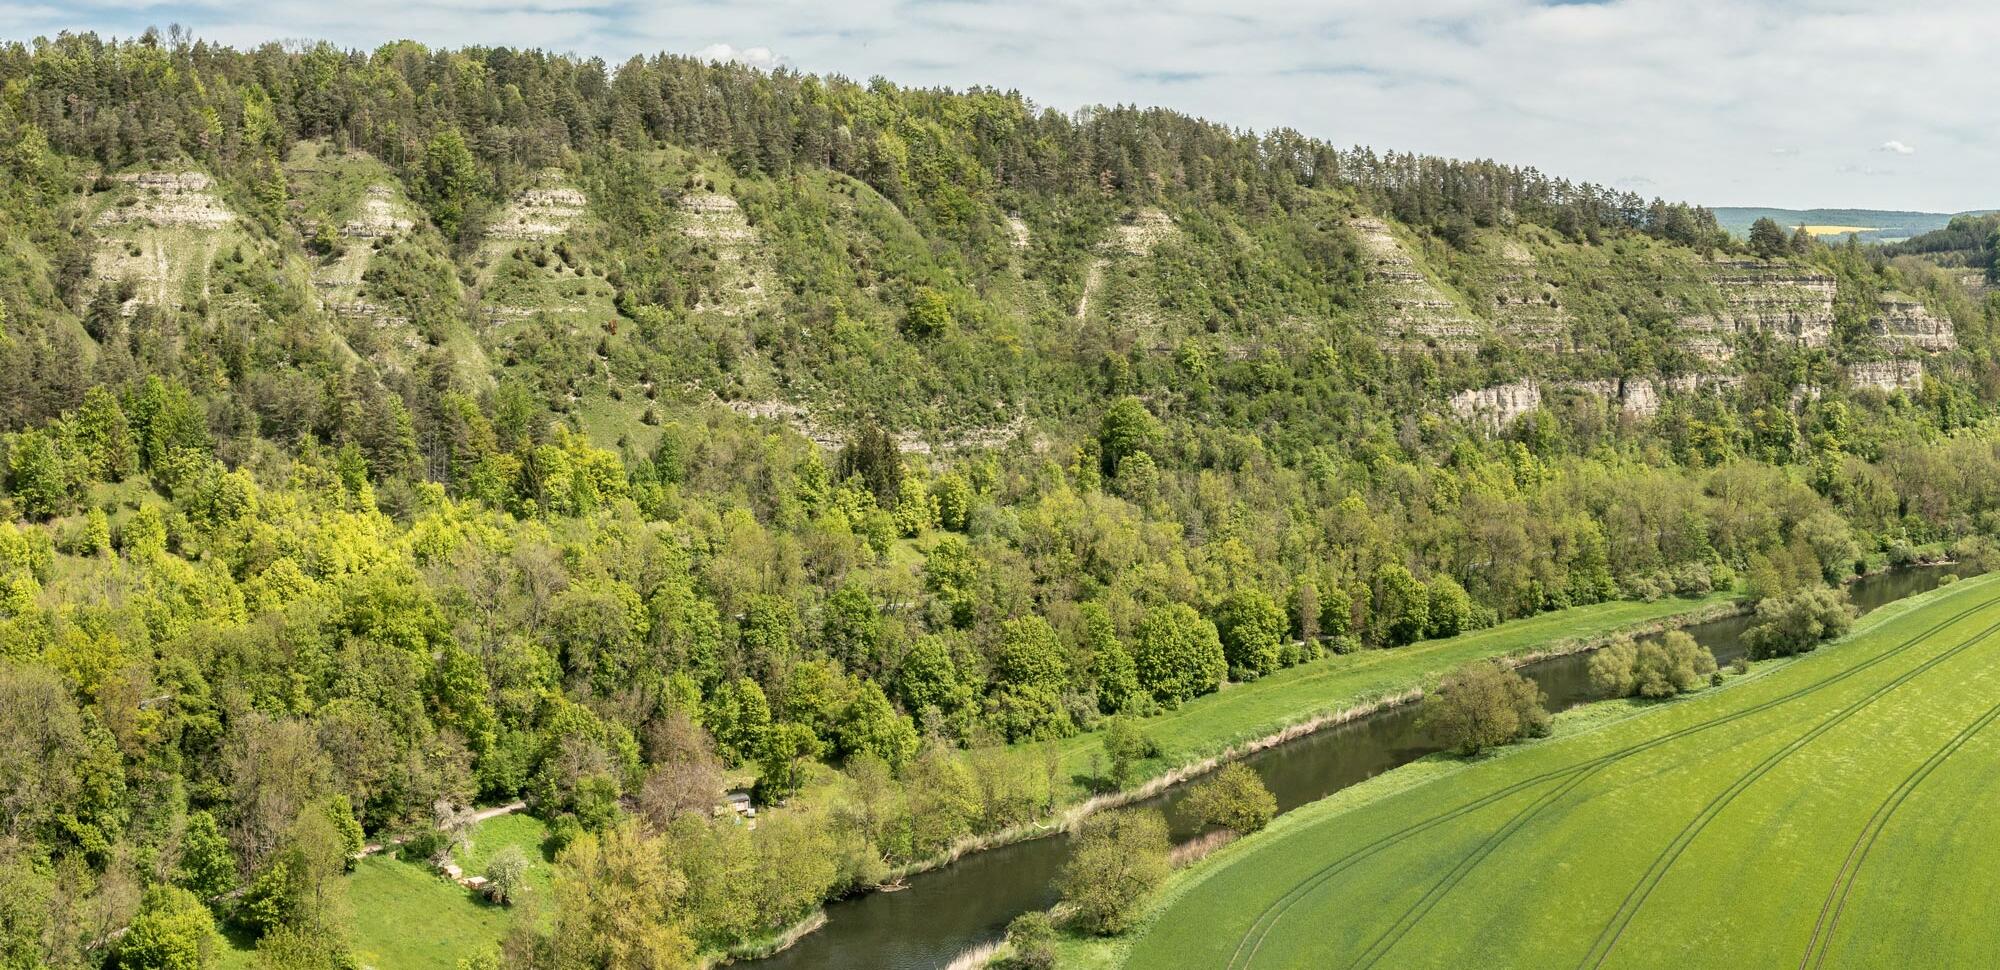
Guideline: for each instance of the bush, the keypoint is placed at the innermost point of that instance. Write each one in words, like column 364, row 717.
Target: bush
column 1119, row 857
column 1124, row 746
column 1664, row 667
column 1671, row 665
column 1233, row 798
column 427, row 845
column 1032, row 937
column 1798, row 621
column 1482, row 705
column 1611, row 668
column 506, row 874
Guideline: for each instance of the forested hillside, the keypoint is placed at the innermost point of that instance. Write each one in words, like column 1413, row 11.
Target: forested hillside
column 388, row 432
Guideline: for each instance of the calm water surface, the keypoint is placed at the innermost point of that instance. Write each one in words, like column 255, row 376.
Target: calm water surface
column 944, row 912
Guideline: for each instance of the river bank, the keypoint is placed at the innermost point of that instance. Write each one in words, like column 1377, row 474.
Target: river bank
column 968, row 899
column 1377, row 682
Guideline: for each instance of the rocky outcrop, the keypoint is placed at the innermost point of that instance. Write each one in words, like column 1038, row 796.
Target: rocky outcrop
column 381, row 216
column 162, row 233
column 1410, row 311
column 1635, row 396
column 1904, row 323
column 717, row 221
column 1017, row 230
column 1141, row 232
column 1700, row 383
column 1639, row 397
column 541, row 211
column 1887, row 376
column 1527, row 307
column 1134, row 237
column 1782, row 301
column 168, row 199
column 1497, row 406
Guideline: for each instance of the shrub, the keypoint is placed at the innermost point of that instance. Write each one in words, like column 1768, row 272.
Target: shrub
column 506, row 874
column 1119, row 857
column 1671, row 665
column 1233, row 798
column 1611, row 668
column 1664, row 667
column 1484, row 704
column 1124, row 746
column 1032, row 937
column 1798, row 621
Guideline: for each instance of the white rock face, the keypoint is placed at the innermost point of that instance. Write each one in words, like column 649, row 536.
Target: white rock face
column 1888, row 376
column 1139, row 235
column 1905, row 323
column 1497, row 406
column 1635, row 396
column 1409, row 307
column 1640, row 397
column 169, row 199
column 717, row 220
column 1018, row 231
column 164, row 233
column 1697, row 383
column 1784, row 302
column 381, row 217
column 542, row 211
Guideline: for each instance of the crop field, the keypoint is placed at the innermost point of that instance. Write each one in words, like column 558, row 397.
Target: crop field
column 1833, row 811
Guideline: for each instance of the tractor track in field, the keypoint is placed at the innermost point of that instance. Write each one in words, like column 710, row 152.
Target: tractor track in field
column 1864, row 841
column 1608, row 938
column 1268, row 919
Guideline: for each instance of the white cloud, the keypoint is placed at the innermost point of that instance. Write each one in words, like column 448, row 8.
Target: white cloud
column 758, row 57
column 1897, row 147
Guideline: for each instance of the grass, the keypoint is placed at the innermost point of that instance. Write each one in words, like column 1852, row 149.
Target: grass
column 1710, row 831
column 1241, row 713
column 405, row 916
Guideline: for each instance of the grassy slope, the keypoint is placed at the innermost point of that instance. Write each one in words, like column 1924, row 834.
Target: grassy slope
column 407, row 916
column 1240, row 713
column 1748, row 886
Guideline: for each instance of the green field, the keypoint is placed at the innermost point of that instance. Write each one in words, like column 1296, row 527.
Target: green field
column 1240, row 713
column 1831, row 811
column 406, row 915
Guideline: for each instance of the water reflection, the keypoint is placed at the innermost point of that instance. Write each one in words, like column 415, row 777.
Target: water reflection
column 944, row 912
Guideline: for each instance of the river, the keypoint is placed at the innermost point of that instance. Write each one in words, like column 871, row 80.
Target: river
column 946, row 911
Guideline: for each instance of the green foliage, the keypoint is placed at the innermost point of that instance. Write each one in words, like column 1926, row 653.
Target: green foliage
column 1798, row 621
column 1124, row 745
column 1179, row 655
column 450, row 179
column 1031, row 940
column 173, row 931
column 1401, row 611
column 36, row 476
column 1252, row 628
column 1483, row 705
column 1126, row 429
column 1656, row 667
column 1233, row 798
column 207, row 868
column 506, row 875
column 1118, row 858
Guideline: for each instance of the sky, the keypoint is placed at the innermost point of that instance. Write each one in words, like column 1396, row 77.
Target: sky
column 1789, row 103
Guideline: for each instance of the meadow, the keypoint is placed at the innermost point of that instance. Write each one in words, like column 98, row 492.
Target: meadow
column 1834, row 810
column 1213, row 724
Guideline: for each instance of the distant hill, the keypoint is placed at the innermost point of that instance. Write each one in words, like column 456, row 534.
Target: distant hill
column 1881, row 225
